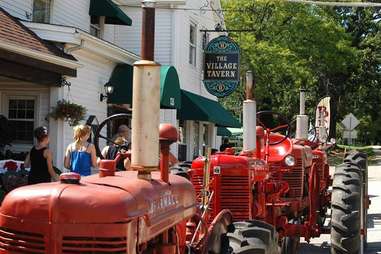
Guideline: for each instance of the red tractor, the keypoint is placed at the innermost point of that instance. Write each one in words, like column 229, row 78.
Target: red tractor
column 286, row 183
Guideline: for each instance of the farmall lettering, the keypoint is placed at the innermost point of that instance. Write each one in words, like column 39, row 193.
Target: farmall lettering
column 163, row 203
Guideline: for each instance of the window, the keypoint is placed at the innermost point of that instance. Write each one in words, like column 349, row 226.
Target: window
column 41, row 11
column 205, row 40
column 192, row 44
column 95, row 30
column 97, row 26
column 21, row 116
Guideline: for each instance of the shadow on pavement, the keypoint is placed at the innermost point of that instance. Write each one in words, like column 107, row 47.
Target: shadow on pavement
column 374, row 248
column 373, row 219
column 306, row 248
column 324, row 248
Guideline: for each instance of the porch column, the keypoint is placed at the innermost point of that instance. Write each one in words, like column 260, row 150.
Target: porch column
column 190, row 139
column 212, row 135
column 56, row 130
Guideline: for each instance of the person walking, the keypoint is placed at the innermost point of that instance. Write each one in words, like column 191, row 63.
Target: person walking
column 225, row 145
column 39, row 159
column 80, row 155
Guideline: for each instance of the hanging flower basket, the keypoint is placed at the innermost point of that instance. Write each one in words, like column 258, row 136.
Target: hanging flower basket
column 68, row 112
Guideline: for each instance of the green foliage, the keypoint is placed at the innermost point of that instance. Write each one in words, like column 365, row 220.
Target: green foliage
column 68, row 111
column 329, row 51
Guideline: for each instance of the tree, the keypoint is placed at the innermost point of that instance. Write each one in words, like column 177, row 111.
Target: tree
column 291, row 44
column 363, row 89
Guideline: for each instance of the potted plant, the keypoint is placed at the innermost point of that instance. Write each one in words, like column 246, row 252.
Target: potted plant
column 68, row 111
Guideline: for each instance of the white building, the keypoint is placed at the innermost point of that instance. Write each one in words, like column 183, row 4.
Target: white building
column 179, row 43
column 104, row 44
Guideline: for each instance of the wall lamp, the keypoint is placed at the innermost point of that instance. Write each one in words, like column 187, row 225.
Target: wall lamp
column 108, row 89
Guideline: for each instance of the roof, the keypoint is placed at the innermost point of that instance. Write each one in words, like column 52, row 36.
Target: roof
column 14, row 32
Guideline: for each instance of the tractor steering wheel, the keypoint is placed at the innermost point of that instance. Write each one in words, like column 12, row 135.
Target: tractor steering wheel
column 98, row 134
column 284, row 124
column 312, row 134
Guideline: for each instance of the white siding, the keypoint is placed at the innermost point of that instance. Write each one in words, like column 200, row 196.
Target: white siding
column 71, row 13
column 109, row 33
column 21, row 9
column 87, row 86
column 129, row 37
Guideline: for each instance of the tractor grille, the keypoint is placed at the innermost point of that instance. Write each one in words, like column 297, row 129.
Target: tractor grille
column 294, row 178
column 21, row 242
column 235, row 193
column 90, row 245
column 197, row 183
column 197, row 180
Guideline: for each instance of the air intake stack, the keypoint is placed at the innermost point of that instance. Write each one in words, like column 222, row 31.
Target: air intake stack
column 249, row 116
column 302, row 118
column 146, row 101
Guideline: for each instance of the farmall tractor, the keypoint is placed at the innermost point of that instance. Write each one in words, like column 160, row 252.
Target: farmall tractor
column 139, row 211
column 284, row 185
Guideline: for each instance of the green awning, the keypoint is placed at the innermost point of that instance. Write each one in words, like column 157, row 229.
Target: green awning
column 121, row 80
column 223, row 132
column 170, row 95
column 196, row 107
column 114, row 15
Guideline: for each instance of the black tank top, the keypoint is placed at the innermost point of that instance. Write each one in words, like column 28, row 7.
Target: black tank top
column 39, row 172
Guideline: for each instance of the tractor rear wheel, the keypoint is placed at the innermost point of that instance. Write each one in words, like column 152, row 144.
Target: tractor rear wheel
column 346, row 199
column 253, row 237
column 361, row 160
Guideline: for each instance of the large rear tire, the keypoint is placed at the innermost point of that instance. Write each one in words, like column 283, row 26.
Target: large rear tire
column 253, row 237
column 361, row 160
column 346, row 198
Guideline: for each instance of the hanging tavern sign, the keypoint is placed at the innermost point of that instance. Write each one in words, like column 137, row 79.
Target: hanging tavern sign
column 221, row 66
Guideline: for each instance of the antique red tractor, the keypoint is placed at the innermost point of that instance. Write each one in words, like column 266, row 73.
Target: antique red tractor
column 286, row 183
column 139, row 211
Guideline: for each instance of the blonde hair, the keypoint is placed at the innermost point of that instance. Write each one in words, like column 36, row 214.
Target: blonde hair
column 80, row 131
column 119, row 141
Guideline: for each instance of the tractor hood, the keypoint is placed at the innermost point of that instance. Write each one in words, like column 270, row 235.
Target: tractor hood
column 112, row 199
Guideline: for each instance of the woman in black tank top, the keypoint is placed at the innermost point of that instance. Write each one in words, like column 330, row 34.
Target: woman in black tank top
column 40, row 159
column 39, row 172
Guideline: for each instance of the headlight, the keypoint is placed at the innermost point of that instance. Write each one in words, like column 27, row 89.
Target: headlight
column 289, row 160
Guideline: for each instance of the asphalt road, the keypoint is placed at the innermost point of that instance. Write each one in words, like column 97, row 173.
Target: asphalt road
column 322, row 245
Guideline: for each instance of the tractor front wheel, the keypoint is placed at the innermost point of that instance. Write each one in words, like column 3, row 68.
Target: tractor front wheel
column 290, row 244
column 346, row 200
column 253, row 237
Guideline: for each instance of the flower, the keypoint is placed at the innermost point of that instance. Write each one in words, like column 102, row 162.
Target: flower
column 68, row 111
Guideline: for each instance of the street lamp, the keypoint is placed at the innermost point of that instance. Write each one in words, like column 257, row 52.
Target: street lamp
column 108, row 89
